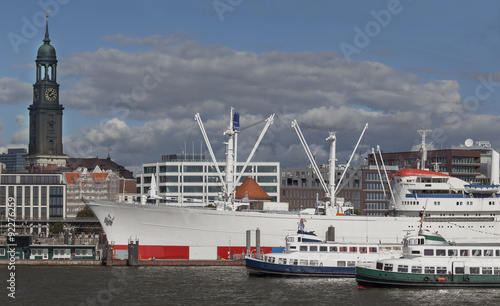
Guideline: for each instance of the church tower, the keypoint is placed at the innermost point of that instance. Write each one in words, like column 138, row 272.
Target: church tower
column 45, row 139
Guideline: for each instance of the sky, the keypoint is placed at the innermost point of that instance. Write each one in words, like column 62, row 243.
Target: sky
column 133, row 74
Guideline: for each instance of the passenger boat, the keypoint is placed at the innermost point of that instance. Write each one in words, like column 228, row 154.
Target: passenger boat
column 167, row 232
column 305, row 254
column 429, row 260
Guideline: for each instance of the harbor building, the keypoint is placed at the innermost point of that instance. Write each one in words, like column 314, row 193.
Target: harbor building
column 14, row 160
column 45, row 150
column 471, row 163
column 301, row 187
column 126, row 182
column 95, row 185
column 181, row 179
column 39, row 200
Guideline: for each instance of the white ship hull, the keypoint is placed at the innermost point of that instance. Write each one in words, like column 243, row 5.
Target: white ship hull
column 191, row 233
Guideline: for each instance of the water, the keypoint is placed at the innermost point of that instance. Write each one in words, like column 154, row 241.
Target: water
column 66, row 285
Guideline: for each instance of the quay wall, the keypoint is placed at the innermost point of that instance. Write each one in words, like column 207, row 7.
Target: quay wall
column 166, row 262
column 40, row 262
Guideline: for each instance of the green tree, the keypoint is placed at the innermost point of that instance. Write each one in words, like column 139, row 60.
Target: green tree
column 57, row 228
column 86, row 212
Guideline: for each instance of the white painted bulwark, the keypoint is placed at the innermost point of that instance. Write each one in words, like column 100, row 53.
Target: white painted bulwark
column 202, row 253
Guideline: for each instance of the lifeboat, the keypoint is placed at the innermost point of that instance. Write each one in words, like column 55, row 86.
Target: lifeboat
column 487, row 189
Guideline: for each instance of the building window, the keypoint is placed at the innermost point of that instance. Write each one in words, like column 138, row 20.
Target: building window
column 151, row 169
column 270, row 188
column 267, row 179
column 267, row 169
column 193, row 188
column 215, row 189
column 193, row 168
column 193, row 179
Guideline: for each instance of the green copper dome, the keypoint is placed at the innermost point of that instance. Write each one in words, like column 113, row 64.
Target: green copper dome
column 46, row 51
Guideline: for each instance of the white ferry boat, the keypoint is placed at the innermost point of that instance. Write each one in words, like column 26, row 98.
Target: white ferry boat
column 307, row 255
column 430, row 261
column 459, row 213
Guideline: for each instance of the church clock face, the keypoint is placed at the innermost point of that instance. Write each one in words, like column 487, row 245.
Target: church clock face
column 36, row 94
column 50, row 94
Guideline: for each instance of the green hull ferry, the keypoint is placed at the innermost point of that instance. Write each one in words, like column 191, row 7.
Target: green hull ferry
column 367, row 278
column 428, row 260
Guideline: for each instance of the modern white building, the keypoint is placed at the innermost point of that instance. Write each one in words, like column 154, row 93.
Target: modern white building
column 183, row 180
column 38, row 199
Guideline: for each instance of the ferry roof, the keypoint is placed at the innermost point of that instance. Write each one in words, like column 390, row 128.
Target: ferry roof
column 418, row 172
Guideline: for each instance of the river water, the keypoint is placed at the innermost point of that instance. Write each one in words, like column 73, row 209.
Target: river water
column 65, row 285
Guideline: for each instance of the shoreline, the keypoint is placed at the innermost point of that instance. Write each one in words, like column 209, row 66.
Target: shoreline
column 157, row 262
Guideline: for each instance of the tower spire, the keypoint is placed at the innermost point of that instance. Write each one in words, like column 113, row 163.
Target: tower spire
column 47, row 39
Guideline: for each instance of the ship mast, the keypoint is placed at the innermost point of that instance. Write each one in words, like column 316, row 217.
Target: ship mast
column 333, row 147
column 229, row 182
column 423, row 133
column 230, row 159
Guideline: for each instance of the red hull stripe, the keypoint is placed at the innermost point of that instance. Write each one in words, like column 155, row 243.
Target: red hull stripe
column 182, row 252
column 159, row 251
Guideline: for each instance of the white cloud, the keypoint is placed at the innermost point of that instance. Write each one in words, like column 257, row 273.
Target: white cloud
column 147, row 100
column 20, row 138
column 13, row 91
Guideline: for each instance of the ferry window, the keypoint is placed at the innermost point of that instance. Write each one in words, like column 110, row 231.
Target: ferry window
column 464, row 252
column 342, row 249
column 440, row 252
column 353, row 249
column 428, row 252
column 402, row 268
column 363, row 250
column 488, row 252
column 476, row 252
column 459, row 270
column 313, row 263
column 487, row 270
column 340, row 263
column 415, row 252
column 282, row 261
column 313, row 248
column 292, row 247
column 299, row 239
column 290, row 239
column 497, row 252
column 373, row 249
column 380, row 265
column 416, row 269
column 474, row 270
column 333, row 249
column 441, row 270
column 388, row 267
column 303, row 262
column 430, row 270
column 295, row 262
column 496, row 271
column 303, row 248
column 452, row 252
column 351, row 263
column 323, row 249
